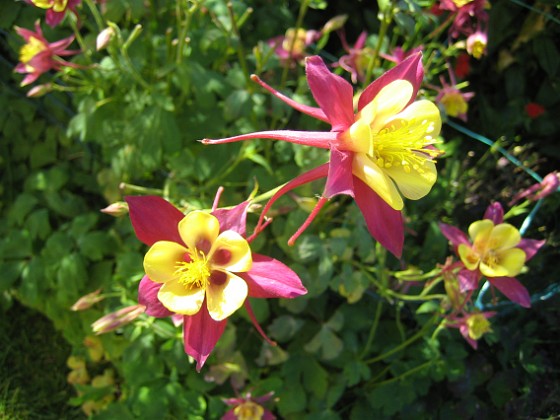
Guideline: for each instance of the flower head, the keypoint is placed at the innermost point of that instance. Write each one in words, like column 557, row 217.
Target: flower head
column 248, row 407
column 534, row 110
column 56, row 9
column 468, row 14
column 550, row 184
column 453, row 100
column 38, row 56
column 493, row 249
column 378, row 155
column 291, row 45
column 476, row 44
column 200, row 266
column 473, row 326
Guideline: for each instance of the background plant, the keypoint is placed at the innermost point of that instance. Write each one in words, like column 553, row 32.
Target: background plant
column 127, row 122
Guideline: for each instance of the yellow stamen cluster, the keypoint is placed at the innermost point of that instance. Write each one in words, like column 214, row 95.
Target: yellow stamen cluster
column 397, row 144
column 194, row 273
column 454, row 104
column 56, row 5
column 478, row 325
column 249, row 410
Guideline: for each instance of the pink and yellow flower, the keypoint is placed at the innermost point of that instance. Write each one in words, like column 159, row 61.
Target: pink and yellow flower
column 473, row 326
column 38, row 56
column 476, row 44
column 379, row 154
column 468, row 15
column 200, row 266
column 56, row 9
column 248, row 408
column 495, row 250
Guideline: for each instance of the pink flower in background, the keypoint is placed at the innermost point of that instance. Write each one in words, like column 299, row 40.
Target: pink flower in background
column 200, row 266
column 356, row 61
column 398, row 55
column 248, row 408
column 291, row 45
column 381, row 153
column 547, row 186
column 468, row 14
column 493, row 249
column 476, row 44
column 56, row 9
column 472, row 326
column 38, row 56
column 453, row 100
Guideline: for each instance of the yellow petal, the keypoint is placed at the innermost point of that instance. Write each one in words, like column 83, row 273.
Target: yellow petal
column 512, row 260
column 479, row 231
column 423, row 118
column 368, row 171
column 493, row 270
column 231, row 251
column 389, row 101
column 226, row 298
column 180, row 299
column 358, row 138
column 198, row 230
column 468, row 256
column 161, row 260
column 414, row 183
column 503, row 236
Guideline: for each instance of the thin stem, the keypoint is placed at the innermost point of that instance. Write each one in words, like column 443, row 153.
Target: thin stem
column 404, row 375
column 96, row 15
column 373, row 329
column 385, row 22
column 240, row 51
column 299, row 23
column 403, row 345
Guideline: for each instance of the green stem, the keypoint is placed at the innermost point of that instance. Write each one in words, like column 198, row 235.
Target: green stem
column 403, row 375
column 96, row 15
column 385, row 22
column 80, row 40
column 183, row 29
column 123, row 186
column 415, row 297
column 373, row 329
column 299, row 23
column 403, row 345
column 240, row 50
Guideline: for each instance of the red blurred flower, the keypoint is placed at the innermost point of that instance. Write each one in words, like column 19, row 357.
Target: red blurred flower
column 534, row 110
column 462, row 65
column 38, row 56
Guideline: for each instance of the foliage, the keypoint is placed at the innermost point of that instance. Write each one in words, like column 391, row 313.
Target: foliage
column 369, row 338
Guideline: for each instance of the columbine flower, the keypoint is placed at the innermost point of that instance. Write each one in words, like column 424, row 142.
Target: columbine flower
column 381, row 153
column 56, row 9
column 468, row 14
column 248, row 408
column 291, row 45
column 473, row 326
column 356, row 61
column 495, row 250
column 38, row 56
column 201, row 266
column 476, row 44
column 452, row 99
column 547, row 186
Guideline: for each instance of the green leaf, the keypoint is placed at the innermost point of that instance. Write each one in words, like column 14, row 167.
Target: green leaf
column 94, row 245
column 292, row 399
column 547, row 54
column 285, row 327
column 315, row 378
column 21, row 208
column 326, row 343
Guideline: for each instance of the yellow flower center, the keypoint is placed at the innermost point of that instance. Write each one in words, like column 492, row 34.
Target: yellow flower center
column 399, row 144
column 297, row 38
column 249, row 411
column 454, row 104
column 56, row 5
column 461, row 3
column 478, row 325
column 477, row 49
column 194, row 273
column 33, row 47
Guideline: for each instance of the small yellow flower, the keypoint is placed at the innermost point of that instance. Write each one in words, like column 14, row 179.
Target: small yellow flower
column 56, row 5
column 478, row 325
column 454, row 103
column 493, row 250
column 203, row 269
column 249, row 410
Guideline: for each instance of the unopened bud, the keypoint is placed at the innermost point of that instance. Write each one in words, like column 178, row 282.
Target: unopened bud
column 335, row 23
column 117, row 319
column 104, row 38
column 87, row 301
column 120, row 208
column 39, row 90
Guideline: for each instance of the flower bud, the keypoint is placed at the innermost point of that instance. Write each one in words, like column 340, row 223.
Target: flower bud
column 120, row 208
column 39, row 90
column 104, row 38
column 117, row 319
column 86, row 301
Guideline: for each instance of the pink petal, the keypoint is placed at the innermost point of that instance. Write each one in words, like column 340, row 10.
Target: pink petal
column 54, row 18
column 233, row 219
column 154, row 219
column 306, row 109
column 454, row 235
column 230, row 415
column 495, row 212
column 320, row 139
column 269, row 278
column 465, row 333
column 59, row 46
column 147, row 296
column 384, row 223
column 361, row 41
column 512, row 289
column 333, row 94
column 410, row 69
column 200, row 335
column 306, row 177
column 468, row 280
column 339, row 179
column 256, row 324
column 530, row 246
